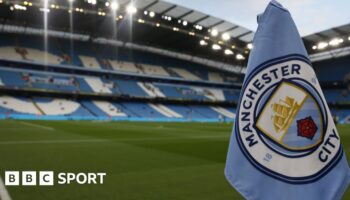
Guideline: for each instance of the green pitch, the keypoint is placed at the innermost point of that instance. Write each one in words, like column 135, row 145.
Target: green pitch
column 148, row 161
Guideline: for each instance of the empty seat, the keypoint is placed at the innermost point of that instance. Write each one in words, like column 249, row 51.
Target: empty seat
column 58, row 106
column 97, row 85
column 185, row 74
column 109, row 109
column 18, row 105
column 90, row 62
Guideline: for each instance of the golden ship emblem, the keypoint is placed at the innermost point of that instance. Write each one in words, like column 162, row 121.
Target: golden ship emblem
column 284, row 113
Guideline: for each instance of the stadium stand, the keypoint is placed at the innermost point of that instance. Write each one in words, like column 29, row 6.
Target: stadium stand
column 185, row 74
column 89, row 62
column 187, row 111
column 109, row 109
column 97, row 85
column 215, row 77
column 164, row 110
column 84, row 79
column 83, row 56
column 224, row 111
column 124, row 66
column 151, row 90
column 54, row 106
column 340, row 68
column 13, row 105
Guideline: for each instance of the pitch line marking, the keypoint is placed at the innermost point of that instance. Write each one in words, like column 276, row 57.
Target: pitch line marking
column 50, row 141
column 38, row 126
column 4, row 195
column 103, row 140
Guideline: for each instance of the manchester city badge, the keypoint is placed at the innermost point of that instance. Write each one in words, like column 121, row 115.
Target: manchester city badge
column 282, row 121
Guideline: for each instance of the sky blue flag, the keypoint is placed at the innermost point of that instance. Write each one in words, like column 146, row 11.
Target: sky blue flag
column 284, row 144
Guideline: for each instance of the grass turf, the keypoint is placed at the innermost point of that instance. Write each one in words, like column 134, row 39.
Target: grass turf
column 148, row 161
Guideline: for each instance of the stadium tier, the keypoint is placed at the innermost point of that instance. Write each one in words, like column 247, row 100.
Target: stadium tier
column 58, row 109
column 28, row 79
column 131, row 85
column 94, row 56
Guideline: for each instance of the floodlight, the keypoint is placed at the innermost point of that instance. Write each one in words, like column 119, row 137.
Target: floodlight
column 19, row 7
column 203, row 43
column 250, row 46
column 214, row 32
column 228, row 52
column 335, row 41
column 114, row 5
column 225, row 36
column 216, row 47
column 322, row 45
column 239, row 57
column 131, row 9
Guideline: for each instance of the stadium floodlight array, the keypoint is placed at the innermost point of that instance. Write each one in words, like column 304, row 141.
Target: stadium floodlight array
column 333, row 43
column 132, row 10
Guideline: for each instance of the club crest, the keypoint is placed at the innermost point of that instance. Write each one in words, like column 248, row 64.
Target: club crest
column 284, row 118
column 282, row 122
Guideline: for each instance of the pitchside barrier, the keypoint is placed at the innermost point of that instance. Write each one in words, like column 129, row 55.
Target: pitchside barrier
column 84, row 118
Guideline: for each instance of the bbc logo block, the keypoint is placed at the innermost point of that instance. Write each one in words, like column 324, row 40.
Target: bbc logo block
column 46, row 178
column 29, row 178
column 12, row 178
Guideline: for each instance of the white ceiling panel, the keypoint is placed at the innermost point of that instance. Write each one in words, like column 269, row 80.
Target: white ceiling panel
column 122, row 2
column 238, row 31
column 192, row 17
column 247, row 38
column 224, row 26
column 160, row 6
column 177, row 11
column 209, row 21
column 140, row 4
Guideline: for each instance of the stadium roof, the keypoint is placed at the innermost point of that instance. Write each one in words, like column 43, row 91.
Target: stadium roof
column 197, row 17
column 333, row 42
column 341, row 31
column 155, row 23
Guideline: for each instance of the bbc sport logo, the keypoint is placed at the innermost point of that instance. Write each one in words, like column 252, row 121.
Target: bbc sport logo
column 48, row 178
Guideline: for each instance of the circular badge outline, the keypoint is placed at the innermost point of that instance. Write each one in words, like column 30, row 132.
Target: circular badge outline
column 293, row 180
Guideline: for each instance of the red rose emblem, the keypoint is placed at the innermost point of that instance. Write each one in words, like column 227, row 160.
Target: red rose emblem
column 307, row 127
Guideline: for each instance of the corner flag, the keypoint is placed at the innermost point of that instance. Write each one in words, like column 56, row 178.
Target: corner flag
column 285, row 144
